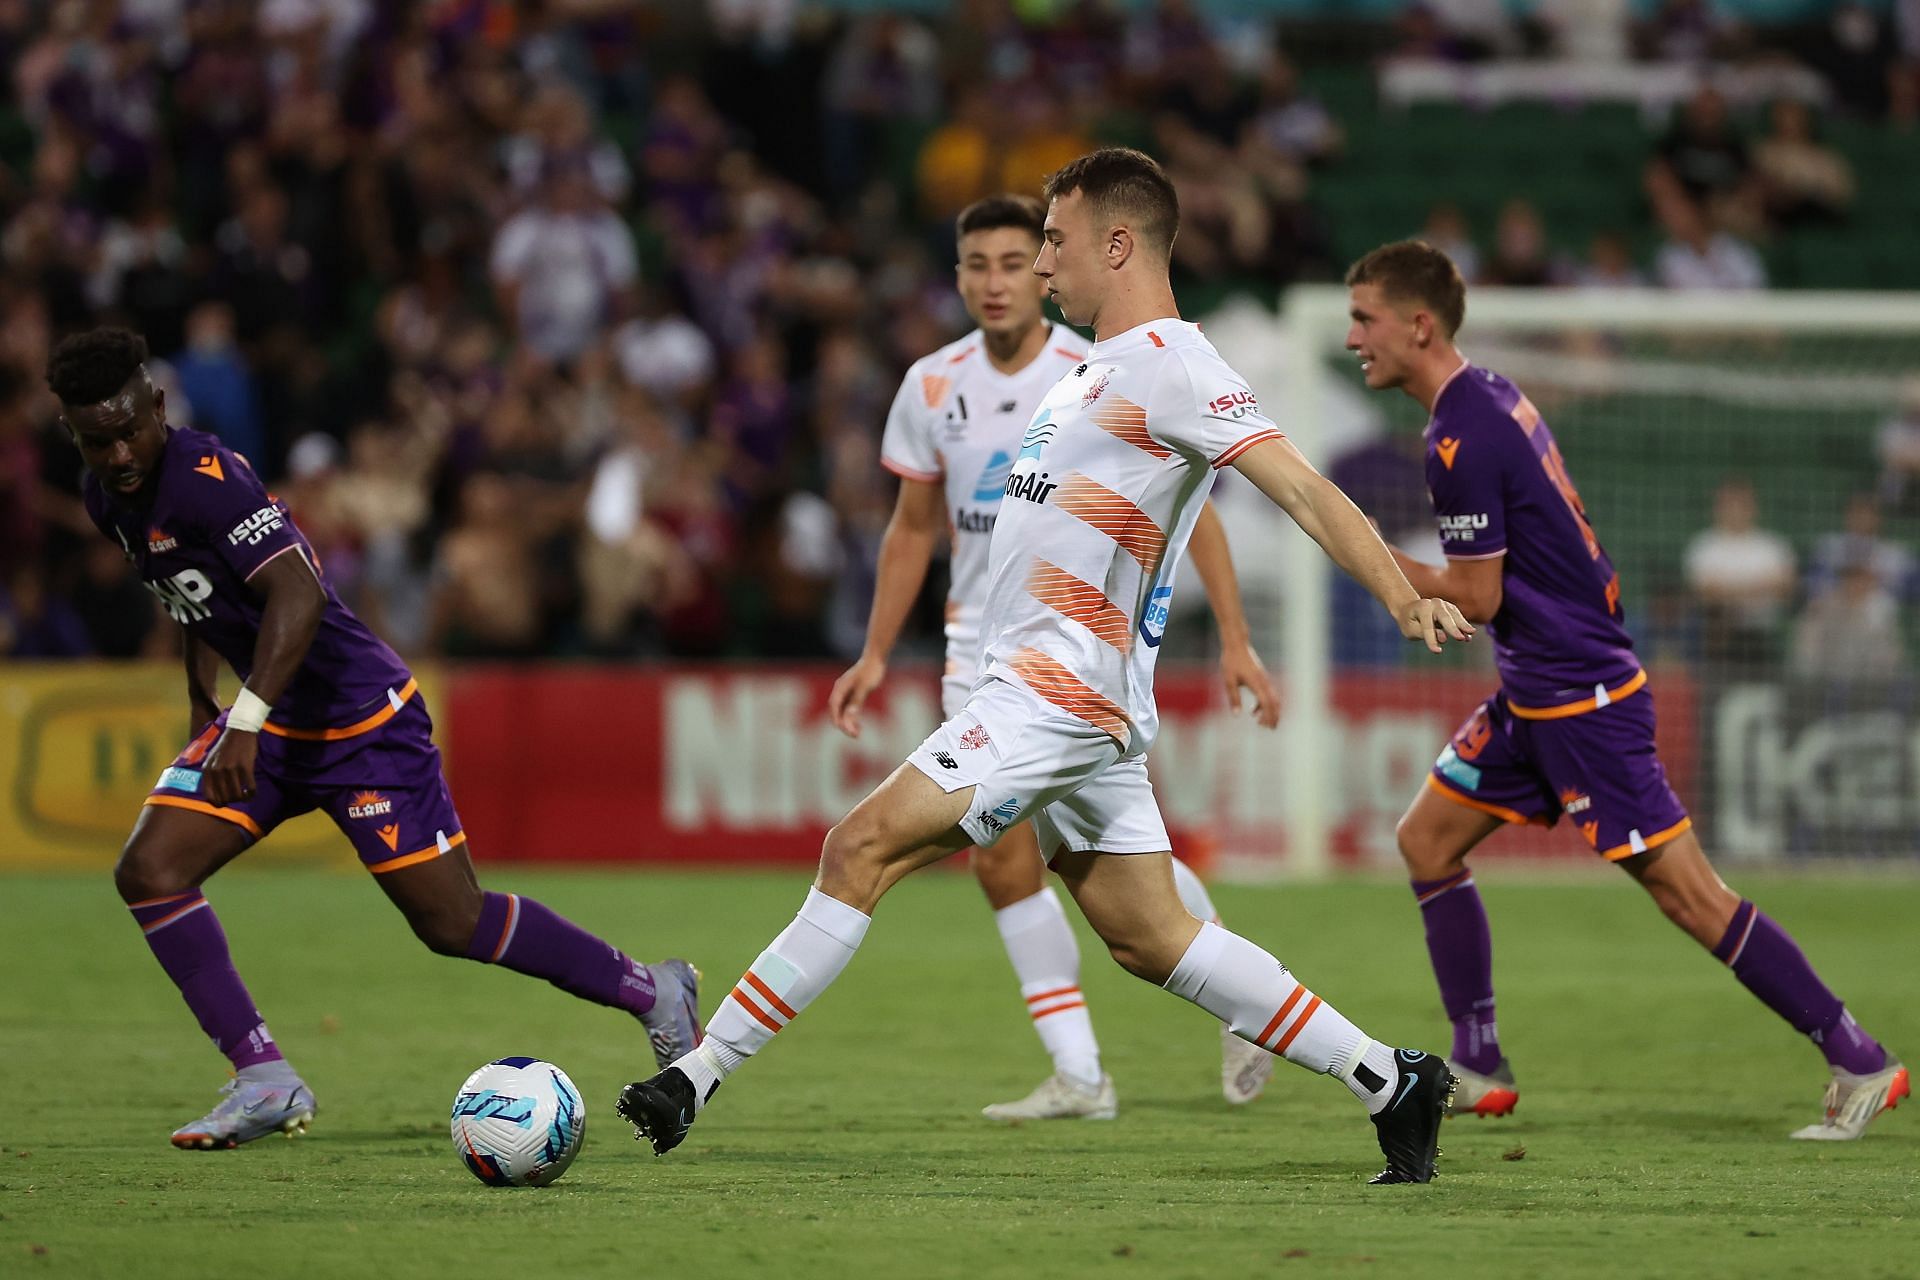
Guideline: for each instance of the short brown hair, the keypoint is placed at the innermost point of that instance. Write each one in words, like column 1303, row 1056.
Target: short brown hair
column 1120, row 180
column 1415, row 271
column 1003, row 210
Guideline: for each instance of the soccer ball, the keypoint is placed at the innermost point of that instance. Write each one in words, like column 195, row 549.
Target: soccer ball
column 517, row 1122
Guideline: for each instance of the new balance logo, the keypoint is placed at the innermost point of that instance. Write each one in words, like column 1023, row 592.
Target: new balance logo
column 945, row 761
column 1007, row 406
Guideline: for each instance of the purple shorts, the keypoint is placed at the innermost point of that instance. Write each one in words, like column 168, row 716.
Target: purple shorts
column 382, row 787
column 1598, row 767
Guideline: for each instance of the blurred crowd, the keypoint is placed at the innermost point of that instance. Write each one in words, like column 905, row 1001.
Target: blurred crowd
column 568, row 327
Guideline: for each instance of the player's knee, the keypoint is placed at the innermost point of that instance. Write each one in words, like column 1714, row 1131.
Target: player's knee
column 446, row 929
column 1426, row 857
column 852, row 860
column 139, row 877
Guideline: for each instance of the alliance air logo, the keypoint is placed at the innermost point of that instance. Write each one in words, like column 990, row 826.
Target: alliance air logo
column 993, row 477
column 158, row 541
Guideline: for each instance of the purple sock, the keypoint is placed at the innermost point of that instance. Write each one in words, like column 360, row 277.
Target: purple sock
column 1771, row 965
column 190, row 945
column 528, row 938
column 1461, row 949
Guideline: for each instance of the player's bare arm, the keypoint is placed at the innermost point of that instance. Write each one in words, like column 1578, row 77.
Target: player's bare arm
column 1329, row 517
column 1477, row 586
column 203, row 681
column 291, row 615
column 906, row 550
column 1240, row 665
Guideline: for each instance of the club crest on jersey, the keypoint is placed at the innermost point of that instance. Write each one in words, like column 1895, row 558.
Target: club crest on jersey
column 974, row 738
column 369, row 804
column 1094, row 392
column 158, row 540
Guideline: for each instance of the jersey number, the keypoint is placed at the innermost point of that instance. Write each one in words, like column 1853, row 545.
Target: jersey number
column 1557, row 472
column 185, row 595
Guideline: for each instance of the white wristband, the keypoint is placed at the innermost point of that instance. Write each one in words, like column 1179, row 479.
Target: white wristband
column 248, row 712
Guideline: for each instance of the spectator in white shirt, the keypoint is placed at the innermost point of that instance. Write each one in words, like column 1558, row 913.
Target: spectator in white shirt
column 1743, row 576
column 563, row 268
column 1697, row 257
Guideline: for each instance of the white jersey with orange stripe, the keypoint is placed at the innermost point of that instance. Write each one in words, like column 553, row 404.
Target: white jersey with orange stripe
column 957, row 420
column 1110, row 478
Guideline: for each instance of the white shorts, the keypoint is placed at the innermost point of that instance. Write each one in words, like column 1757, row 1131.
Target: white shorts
column 1026, row 758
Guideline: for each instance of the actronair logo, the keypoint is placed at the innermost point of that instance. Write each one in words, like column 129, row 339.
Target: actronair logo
column 1034, row 486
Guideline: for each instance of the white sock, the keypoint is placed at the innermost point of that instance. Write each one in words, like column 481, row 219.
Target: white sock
column 1263, row 1004
column 801, row 963
column 1193, row 893
column 1046, row 959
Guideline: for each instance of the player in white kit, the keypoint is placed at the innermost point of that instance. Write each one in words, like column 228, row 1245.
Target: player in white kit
column 951, row 437
column 1110, row 478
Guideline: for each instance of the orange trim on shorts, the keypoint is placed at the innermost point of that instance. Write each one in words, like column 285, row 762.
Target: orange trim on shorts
column 766, row 992
column 1653, row 841
column 417, row 857
column 373, row 721
column 1499, row 811
column 234, row 816
column 1305, row 1015
column 1581, row 707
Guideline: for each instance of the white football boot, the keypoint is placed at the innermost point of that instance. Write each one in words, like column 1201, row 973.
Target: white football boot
column 247, row 1110
column 1245, row 1068
column 1060, row 1097
column 1852, row 1101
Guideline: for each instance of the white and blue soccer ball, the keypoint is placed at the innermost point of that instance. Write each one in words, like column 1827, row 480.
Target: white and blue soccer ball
column 517, row 1122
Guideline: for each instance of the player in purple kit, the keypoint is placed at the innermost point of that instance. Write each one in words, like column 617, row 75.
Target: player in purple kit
column 327, row 718
column 1571, row 729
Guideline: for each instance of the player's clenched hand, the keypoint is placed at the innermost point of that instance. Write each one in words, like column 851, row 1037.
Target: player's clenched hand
column 850, row 694
column 1434, row 622
column 228, row 773
column 1241, row 668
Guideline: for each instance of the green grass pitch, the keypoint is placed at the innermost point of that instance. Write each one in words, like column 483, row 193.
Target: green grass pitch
column 1657, row 1097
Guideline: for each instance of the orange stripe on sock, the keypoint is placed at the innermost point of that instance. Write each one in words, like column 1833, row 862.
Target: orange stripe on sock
column 753, row 980
column 1294, row 1030
column 171, row 916
column 155, row 902
column 759, row 1015
column 1057, row 991
column 1047, row 1013
column 1281, row 1016
column 506, row 930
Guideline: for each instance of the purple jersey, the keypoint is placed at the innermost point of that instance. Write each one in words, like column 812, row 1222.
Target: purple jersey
column 1500, row 487
column 199, row 529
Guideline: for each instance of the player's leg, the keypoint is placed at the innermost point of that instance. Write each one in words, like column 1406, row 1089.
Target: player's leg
column 1244, row 1068
column 408, row 834
column 1131, row 902
column 1866, row 1079
column 1479, row 783
column 1606, row 763
column 905, row 823
column 179, row 840
column 1046, row 960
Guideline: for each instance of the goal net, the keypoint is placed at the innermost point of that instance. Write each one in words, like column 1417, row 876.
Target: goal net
column 1751, row 464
